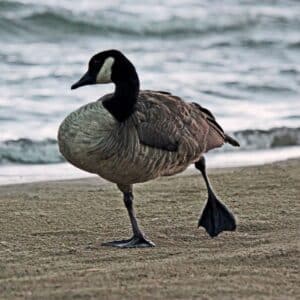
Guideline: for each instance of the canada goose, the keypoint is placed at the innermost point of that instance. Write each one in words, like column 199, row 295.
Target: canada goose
column 133, row 136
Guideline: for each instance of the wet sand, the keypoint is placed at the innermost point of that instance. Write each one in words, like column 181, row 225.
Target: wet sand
column 51, row 234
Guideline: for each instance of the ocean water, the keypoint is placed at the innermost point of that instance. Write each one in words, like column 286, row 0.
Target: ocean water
column 241, row 60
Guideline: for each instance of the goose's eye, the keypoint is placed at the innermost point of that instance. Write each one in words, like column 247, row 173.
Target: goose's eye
column 96, row 62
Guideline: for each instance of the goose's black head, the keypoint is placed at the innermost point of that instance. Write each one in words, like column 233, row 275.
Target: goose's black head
column 106, row 67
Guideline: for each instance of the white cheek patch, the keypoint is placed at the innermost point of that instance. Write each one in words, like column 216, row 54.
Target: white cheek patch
column 104, row 75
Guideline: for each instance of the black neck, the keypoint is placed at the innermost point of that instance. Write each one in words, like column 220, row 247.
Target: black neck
column 122, row 103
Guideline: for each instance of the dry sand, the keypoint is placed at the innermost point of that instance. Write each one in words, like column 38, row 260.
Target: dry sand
column 51, row 234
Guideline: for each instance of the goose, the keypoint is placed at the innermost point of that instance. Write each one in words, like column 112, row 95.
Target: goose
column 132, row 136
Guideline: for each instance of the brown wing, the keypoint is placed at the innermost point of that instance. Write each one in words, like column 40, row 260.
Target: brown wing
column 216, row 135
column 164, row 121
column 216, row 131
column 158, row 120
column 210, row 118
column 153, row 137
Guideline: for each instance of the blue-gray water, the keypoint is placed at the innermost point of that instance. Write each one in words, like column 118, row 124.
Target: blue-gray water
column 240, row 59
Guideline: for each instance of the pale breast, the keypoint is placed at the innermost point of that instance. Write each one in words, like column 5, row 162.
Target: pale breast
column 86, row 133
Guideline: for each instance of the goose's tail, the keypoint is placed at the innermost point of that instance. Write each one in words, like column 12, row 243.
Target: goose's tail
column 230, row 140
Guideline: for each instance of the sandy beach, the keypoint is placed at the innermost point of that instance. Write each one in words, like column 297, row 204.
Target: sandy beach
column 51, row 235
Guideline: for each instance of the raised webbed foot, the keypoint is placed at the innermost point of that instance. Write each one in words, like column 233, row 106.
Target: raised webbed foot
column 216, row 217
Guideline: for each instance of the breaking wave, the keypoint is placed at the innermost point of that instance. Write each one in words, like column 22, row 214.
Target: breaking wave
column 17, row 18
column 27, row 151
column 267, row 139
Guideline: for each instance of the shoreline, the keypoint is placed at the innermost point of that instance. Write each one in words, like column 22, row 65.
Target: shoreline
column 20, row 174
column 51, row 235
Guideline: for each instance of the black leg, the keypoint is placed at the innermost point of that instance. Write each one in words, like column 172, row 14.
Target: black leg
column 138, row 240
column 216, row 217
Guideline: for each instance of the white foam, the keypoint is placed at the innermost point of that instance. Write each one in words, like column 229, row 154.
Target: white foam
column 251, row 158
column 15, row 174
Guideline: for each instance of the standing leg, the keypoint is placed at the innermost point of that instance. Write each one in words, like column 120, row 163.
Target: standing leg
column 216, row 217
column 138, row 240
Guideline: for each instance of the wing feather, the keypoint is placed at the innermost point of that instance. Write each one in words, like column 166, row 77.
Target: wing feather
column 165, row 122
column 158, row 120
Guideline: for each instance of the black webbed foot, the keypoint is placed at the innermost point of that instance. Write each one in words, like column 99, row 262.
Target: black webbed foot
column 134, row 242
column 216, row 217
